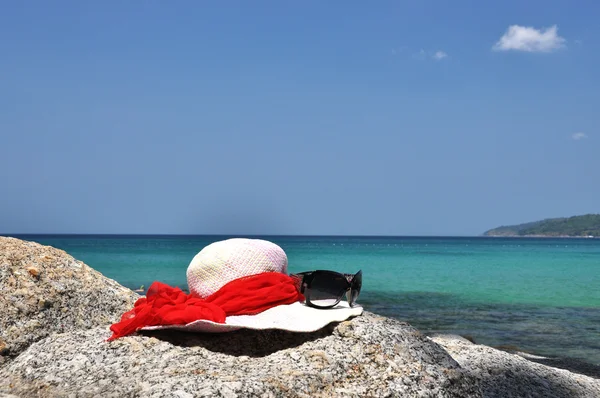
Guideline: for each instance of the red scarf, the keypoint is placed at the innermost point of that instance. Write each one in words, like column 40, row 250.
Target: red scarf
column 166, row 305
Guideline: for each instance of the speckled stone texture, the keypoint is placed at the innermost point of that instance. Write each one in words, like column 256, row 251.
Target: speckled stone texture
column 368, row 356
column 44, row 290
column 506, row 375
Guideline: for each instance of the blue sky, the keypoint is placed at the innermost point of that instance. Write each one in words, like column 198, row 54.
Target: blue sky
column 384, row 118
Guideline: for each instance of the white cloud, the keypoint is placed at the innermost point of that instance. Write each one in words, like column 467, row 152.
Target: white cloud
column 579, row 136
column 528, row 39
column 439, row 55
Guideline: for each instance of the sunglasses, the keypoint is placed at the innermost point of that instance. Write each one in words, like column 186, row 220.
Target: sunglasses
column 325, row 289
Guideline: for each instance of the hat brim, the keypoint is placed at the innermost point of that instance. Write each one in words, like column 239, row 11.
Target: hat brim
column 296, row 317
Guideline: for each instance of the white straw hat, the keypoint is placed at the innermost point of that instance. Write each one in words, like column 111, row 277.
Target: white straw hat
column 224, row 261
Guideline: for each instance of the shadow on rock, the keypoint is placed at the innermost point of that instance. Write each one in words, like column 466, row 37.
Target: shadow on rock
column 534, row 383
column 572, row 365
column 247, row 342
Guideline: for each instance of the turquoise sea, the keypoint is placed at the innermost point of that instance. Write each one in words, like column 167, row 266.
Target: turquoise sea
column 540, row 295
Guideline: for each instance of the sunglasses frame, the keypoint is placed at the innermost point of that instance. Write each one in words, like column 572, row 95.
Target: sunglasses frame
column 306, row 278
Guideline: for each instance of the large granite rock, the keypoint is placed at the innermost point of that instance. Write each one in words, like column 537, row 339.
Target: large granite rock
column 44, row 291
column 366, row 356
column 505, row 375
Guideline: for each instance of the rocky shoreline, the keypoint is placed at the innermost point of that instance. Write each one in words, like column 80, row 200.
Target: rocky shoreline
column 54, row 318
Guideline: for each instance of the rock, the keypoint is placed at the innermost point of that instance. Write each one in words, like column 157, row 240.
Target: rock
column 366, row 356
column 45, row 291
column 503, row 374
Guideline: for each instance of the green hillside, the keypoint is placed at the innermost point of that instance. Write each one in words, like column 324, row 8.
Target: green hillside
column 587, row 225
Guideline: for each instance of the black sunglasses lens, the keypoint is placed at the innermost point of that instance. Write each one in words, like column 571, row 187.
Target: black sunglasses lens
column 327, row 289
column 355, row 288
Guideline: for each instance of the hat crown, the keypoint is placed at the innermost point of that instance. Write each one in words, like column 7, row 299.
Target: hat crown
column 227, row 260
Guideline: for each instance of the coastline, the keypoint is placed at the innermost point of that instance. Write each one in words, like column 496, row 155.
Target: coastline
column 584, row 226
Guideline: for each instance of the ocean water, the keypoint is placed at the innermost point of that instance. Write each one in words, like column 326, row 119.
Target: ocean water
column 539, row 295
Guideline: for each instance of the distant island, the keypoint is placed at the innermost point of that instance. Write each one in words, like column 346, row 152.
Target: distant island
column 577, row 226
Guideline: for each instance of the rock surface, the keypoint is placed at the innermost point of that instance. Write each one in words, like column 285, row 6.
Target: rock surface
column 366, row 356
column 502, row 374
column 44, row 290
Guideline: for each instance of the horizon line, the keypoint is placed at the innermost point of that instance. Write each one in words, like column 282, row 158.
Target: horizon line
column 20, row 235
column 234, row 235
column 26, row 236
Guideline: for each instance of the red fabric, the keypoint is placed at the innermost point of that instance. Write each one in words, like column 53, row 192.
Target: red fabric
column 166, row 305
